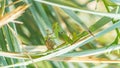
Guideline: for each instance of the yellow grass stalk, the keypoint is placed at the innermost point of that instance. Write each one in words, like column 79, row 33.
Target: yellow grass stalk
column 11, row 16
column 89, row 59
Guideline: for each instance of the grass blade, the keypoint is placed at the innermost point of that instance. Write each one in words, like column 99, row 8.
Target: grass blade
column 111, row 15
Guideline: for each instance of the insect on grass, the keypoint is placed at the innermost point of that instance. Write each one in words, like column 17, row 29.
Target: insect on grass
column 49, row 41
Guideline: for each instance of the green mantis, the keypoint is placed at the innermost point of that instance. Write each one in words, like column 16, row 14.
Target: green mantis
column 60, row 34
column 49, row 40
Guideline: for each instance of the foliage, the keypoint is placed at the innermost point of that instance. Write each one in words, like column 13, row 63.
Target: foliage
column 59, row 33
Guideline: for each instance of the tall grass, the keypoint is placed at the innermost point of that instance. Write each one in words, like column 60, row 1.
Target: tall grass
column 53, row 33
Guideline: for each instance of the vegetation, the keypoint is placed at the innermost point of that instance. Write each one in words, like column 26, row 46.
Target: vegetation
column 59, row 33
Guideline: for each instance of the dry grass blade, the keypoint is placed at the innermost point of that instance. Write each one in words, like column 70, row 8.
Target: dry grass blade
column 12, row 15
column 12, row 55
column 89, row 59
column 31, row 49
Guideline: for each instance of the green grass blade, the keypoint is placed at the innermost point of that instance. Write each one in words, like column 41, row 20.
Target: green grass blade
column 76, row 18
column 91, row 52
column 38, row 20
column 111, row 15
column 2, row 9
column 43, row 15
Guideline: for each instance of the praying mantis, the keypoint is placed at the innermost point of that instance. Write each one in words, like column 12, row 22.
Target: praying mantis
column 58, row 34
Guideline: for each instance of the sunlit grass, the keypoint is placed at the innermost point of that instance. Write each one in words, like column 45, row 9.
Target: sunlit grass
column 56, row 31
